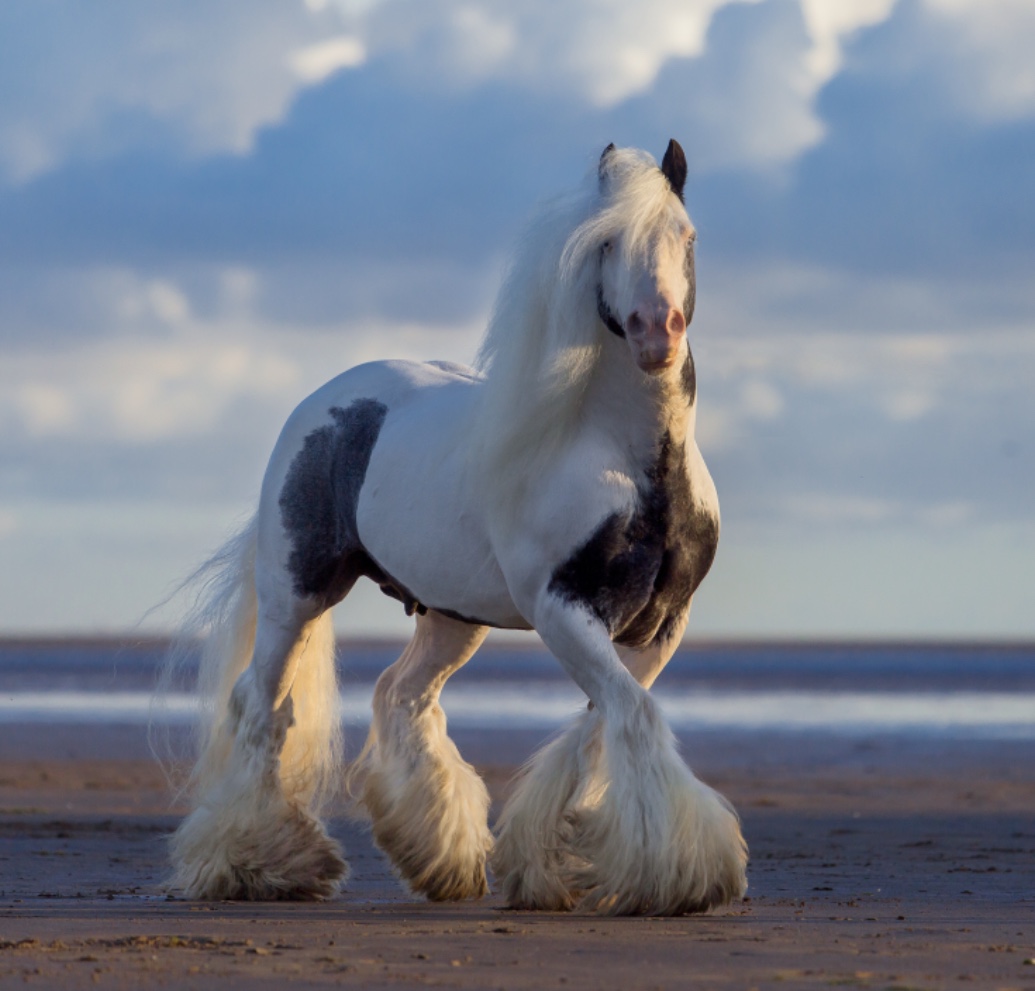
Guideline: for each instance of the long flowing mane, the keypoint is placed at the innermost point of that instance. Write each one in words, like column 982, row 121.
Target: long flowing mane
column 544, row 340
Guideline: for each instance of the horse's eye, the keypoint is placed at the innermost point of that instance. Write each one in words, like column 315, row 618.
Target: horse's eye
column 605, row 248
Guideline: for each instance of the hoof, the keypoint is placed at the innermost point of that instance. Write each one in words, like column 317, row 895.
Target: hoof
column 432, row 824
column 291, row 858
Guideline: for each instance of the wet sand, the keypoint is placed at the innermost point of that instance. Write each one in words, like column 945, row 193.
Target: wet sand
column 875, row 864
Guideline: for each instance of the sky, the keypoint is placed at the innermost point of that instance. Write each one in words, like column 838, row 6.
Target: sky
column 207, row 210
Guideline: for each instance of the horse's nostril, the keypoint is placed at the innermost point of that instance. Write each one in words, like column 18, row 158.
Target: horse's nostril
column 676, row 322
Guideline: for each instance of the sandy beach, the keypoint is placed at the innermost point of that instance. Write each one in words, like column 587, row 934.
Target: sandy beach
column 874, row 865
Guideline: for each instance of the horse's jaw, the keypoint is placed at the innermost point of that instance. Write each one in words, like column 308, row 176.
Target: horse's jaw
column 656, row 366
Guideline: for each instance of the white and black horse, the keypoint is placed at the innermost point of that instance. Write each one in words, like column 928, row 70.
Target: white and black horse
column 557, row 487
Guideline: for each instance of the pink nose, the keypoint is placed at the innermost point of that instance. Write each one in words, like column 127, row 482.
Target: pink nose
column 655, row 335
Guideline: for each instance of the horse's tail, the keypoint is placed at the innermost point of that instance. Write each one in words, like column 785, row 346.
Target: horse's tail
column 219, row 631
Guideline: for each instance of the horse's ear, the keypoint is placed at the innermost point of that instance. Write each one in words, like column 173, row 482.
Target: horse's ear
column 602, row 166
column 674, row 167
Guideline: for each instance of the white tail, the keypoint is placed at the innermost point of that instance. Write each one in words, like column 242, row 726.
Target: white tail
column 220, row 628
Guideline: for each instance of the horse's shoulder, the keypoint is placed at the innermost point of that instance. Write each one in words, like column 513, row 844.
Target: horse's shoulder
column 640, row 563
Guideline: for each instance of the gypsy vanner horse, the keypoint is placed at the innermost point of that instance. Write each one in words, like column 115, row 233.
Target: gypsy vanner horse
column 556, row 486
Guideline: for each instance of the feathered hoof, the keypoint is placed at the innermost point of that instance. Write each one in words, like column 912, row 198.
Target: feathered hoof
column 534, row 890
column 437, row 882
column 433, row 829
column 289, row 857
column 698, row 866
column 600, row 898
column 533, row 878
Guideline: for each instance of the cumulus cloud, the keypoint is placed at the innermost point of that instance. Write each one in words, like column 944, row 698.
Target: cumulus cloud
column 913, row 424
column 183, row 377
column 744, row 93
column 989, row 44
column 316, row 62
column 194, row 77
column 136, row 390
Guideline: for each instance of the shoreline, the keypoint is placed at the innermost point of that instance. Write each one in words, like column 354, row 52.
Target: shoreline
column 528, row 640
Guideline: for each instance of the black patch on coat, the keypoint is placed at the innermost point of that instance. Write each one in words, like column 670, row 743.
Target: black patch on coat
column 688, row 379
column 638, row 570
column 607, row 315
column 602, row 164
column 690, row 271
column 319, row 498
column 673, row 165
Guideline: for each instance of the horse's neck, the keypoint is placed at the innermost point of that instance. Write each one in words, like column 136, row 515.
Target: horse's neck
column 635, row 410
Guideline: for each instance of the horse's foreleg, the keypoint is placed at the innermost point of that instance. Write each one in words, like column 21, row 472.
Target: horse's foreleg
column 428, row 806
column 253, row 834
column 646, row 836
column 533, row 860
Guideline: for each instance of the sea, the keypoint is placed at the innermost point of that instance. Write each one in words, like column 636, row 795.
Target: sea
column 946, row 691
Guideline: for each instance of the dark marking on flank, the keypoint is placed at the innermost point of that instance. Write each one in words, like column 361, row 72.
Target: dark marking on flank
column 638, row 570
column 319, row 498
column 673, row 165
column 607, row 315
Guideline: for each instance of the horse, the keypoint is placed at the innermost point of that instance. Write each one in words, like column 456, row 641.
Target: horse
column 556, row 486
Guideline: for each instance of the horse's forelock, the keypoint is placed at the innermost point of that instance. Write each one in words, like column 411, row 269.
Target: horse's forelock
column 632, row 205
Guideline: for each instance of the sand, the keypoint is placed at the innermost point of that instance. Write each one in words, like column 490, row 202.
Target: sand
column 875, row 864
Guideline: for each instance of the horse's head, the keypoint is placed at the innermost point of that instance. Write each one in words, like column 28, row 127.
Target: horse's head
column 646, row 287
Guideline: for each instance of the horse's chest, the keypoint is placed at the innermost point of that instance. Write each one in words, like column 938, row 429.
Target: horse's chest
column 638, row 571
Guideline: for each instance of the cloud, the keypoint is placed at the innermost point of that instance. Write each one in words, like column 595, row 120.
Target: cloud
column 196, row 364
column 195, row 81
column 911, row 424
column 986, row 54
column 878, row 170
column 316, row 62
column 192, row 78
column 906, row 182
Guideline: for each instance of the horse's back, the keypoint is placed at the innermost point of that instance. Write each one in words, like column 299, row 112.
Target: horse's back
column 390, row 385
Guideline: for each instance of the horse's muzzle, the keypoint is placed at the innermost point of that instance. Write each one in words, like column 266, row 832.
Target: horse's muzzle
column 655, row 338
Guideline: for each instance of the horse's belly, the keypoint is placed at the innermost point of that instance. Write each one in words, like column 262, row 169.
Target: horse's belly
column 419, row 522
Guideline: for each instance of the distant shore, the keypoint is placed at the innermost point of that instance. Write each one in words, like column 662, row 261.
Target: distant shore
column 518, row 640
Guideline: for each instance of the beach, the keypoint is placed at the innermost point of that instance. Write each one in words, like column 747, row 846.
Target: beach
column 875, row 863
column 882, row 856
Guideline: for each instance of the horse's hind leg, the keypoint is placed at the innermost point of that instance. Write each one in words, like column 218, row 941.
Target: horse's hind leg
column 428, row 807
column 253, row 834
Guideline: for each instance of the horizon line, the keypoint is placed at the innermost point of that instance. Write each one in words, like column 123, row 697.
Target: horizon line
column 128, row 638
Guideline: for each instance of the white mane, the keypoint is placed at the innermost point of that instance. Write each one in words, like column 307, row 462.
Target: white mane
column 543, row 342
